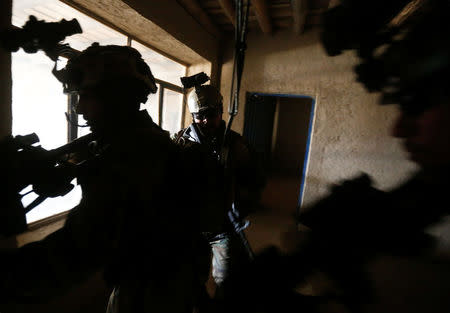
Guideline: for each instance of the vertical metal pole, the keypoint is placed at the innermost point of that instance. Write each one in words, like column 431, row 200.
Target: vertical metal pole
column 160, row 105
column 183, row 111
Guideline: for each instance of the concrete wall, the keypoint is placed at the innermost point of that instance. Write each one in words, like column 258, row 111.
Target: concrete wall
column 350, row 131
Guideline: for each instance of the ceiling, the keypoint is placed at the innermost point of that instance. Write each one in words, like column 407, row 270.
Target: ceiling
column 191, row 31
column 266, row 16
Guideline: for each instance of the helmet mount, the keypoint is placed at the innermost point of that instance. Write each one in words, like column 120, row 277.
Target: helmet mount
column 204, row 98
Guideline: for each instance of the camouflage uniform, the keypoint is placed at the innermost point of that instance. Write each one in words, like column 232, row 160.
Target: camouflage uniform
column 241, row 183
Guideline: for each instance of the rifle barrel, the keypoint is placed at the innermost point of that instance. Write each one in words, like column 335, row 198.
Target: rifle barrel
column 71, row 146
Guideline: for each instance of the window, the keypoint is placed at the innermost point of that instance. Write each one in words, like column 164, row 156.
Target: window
column 152, row 105
column 38, row 106
column 167, row 109
column 41, row 107
column 38, row 102
column 162, row 67
column 172, row 112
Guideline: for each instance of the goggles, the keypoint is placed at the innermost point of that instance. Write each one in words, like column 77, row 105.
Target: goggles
column 206, row 114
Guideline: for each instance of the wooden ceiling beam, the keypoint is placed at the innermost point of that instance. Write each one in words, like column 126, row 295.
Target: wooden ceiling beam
column 229, row 10
column 262, row 14
column 159, row 26
column 299, row 11
column 196, row 11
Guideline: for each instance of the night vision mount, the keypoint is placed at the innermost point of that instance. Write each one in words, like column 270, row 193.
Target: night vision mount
column 38, row 35
column 194, row 80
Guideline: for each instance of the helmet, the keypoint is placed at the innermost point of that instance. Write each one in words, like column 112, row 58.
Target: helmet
column 204, row 97
column 108, row 65
column 406, row 58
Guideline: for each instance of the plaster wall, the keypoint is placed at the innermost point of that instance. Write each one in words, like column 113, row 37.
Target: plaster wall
column 350, row 131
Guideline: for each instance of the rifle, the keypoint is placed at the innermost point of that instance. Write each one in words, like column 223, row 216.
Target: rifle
column 22, row 163
column 49, row 172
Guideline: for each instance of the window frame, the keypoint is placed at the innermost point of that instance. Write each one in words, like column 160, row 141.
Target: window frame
column 165, row 85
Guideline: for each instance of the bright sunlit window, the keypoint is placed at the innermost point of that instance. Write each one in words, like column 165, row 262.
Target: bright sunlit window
column 162, row 67
column 152, row 105
column 39, row 105
column 167, row 108
column 172, row 111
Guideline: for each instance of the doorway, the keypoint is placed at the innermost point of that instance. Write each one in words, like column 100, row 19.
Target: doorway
column 279, row 127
